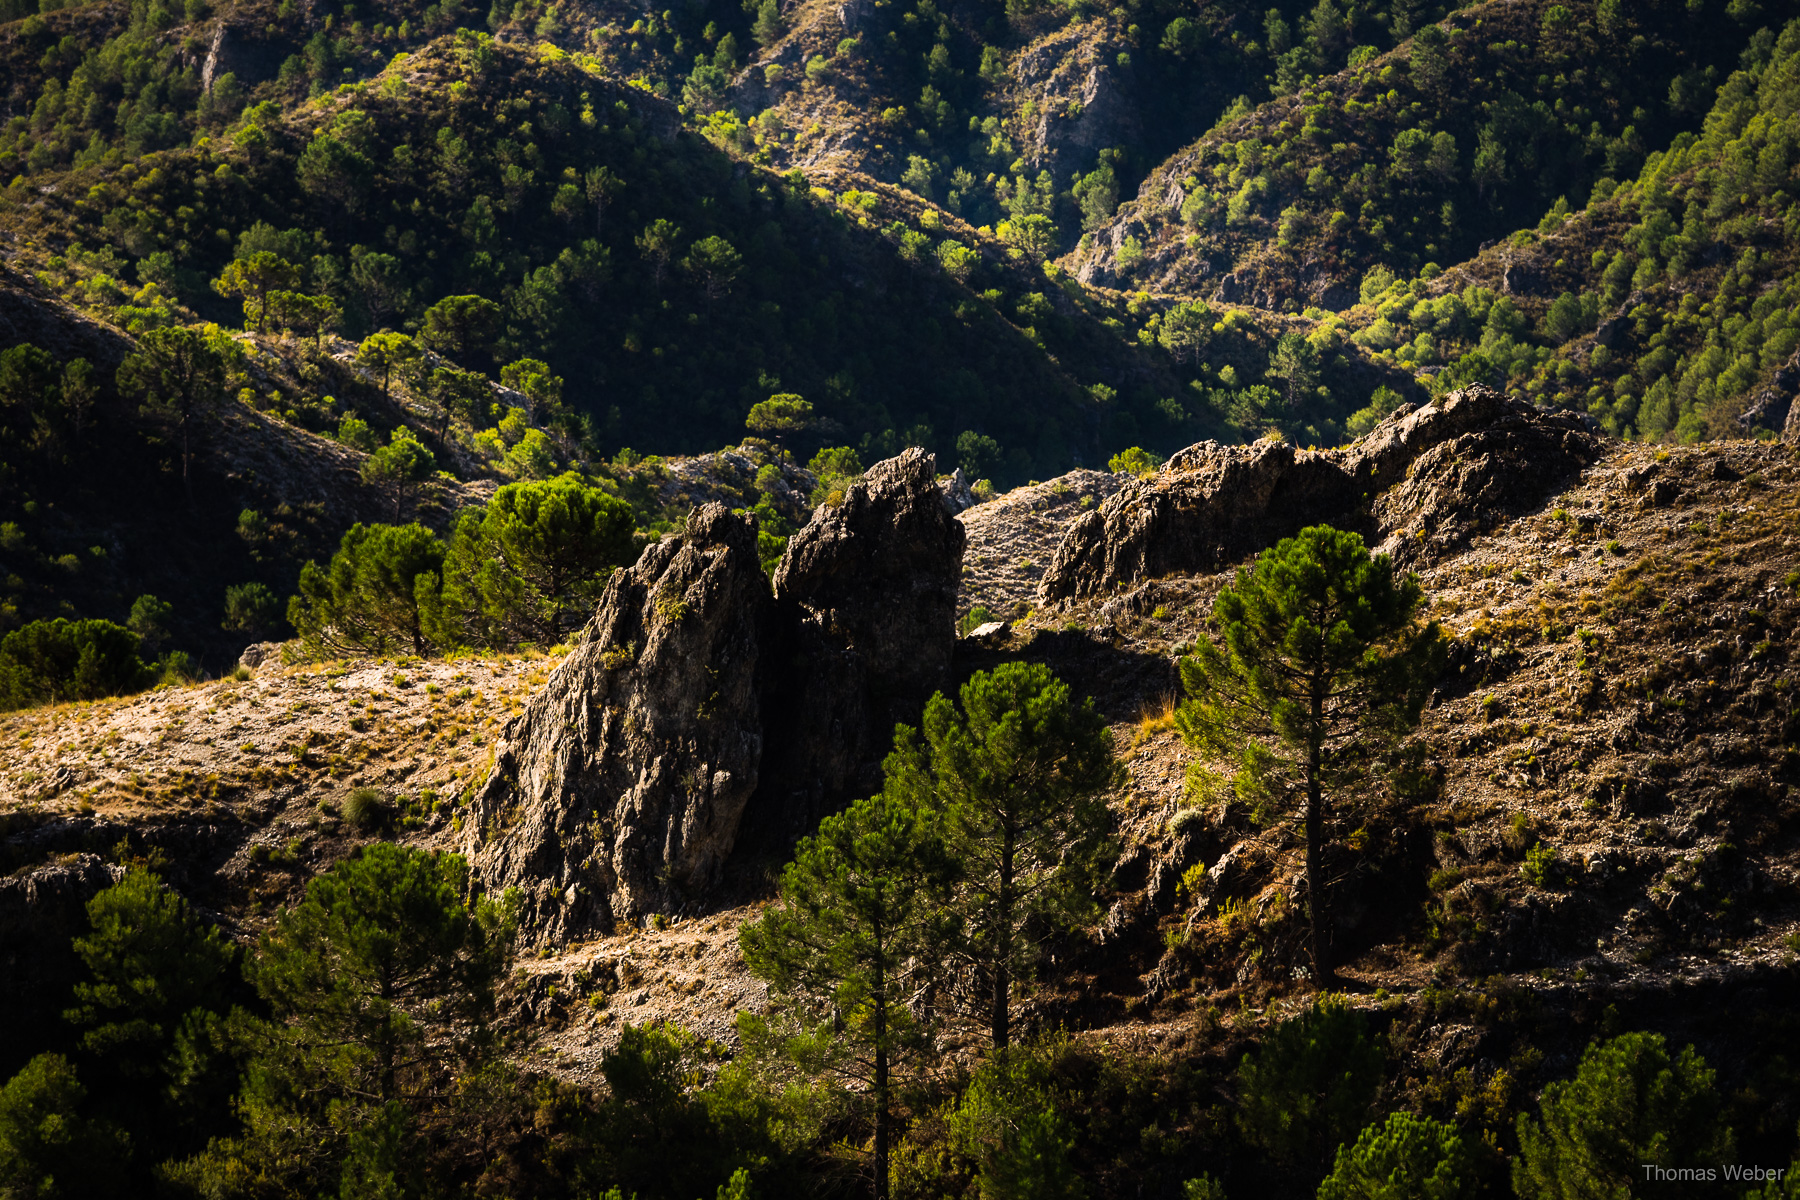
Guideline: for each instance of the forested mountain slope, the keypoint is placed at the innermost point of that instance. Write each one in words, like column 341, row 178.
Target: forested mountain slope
column 1666, row 307
column 1469, row 131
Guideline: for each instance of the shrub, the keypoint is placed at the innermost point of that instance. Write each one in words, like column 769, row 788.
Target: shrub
column 1009, row 1123
column 1539, row 868
column 974, row 619
column 367, row 810
column 47, row 662
column 1309, row 1086
column 1630, row 1104
column 1135, row 461
column 1407, row 1157
column 355, row 433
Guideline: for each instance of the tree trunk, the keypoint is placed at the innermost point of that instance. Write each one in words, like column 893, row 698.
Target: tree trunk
column 881, row 1099
column 1002, row 1014
column 1315, row 843
column 385, row 1051
column 1315, row 889
column 187, row 458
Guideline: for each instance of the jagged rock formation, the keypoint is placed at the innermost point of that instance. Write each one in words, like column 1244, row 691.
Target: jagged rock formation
column 867, row 593
column 621, row 789
column 1497, row 468
column 1448, row 466
column 622, row 785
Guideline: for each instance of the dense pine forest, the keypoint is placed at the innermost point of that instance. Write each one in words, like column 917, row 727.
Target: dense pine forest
column 384, row 374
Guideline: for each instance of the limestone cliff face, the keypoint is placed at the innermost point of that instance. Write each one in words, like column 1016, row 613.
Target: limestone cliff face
column 619, row 790
column 623, row 787
column 1433, row 474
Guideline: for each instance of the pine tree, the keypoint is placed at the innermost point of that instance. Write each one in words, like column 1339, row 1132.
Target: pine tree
column 180, row 374
column 531, row 566
column 1631, row 1103
column 1017, row 773
column 253, row 279
column 1319, row 653
column 860, row 907
column 387, row 353
column 377, row 595
column 399, row 467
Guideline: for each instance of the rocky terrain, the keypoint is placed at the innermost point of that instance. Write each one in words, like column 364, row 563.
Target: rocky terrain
column 235, row 788
column 698, row 691
column 1596, row 809
column 1416, row 486
column 1014, row 537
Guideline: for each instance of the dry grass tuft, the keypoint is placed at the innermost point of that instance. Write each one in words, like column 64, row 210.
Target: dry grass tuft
column 1155, row 718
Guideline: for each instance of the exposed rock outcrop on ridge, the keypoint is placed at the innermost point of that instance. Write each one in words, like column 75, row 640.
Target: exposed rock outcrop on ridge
column 621, row 785
column 1448, row 466
column 867, row 597
column 621, row 789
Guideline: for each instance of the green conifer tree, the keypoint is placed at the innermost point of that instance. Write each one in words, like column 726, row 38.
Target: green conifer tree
column 1319, row 652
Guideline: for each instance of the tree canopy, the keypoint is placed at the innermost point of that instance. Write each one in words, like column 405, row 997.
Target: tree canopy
column 531, row 566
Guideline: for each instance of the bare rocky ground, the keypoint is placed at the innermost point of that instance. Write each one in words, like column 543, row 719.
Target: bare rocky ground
column 1621, row 701
column 274, row 754
column 1013, row 537
column 1601, row 803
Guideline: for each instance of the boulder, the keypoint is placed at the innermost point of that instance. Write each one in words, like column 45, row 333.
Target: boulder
column 618, row 792
column 958, row 495
column 258, row 653
column 1462, row 462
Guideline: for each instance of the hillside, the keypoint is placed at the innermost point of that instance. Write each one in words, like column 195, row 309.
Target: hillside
column 489, row 494
column 1469, row 131
column 1614, row 705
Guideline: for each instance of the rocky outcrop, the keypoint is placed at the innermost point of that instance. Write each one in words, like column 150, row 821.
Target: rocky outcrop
column 41, row 908
column 619, row 790
column 1466, row 483
column 1474, row 454
column 867, row 593
column 622, row 788
column 1081, row 97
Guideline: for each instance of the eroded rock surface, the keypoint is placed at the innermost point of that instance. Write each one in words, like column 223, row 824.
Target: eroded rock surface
column 1497, row 469
column 1447, row 467
column 620, row 788
column 867, row 595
